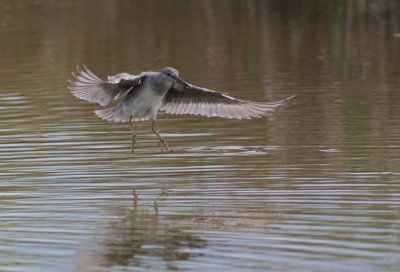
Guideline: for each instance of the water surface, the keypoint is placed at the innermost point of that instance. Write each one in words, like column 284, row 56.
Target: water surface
column 315, row 187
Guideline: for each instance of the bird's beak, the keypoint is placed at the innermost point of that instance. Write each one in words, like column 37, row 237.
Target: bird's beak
column 187, row 85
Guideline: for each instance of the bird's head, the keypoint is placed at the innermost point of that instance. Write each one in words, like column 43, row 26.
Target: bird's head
column 172, row 74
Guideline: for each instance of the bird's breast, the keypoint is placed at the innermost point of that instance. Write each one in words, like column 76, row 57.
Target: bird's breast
column 159, row 86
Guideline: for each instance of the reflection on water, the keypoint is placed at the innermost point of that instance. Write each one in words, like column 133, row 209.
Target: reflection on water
column 315, row 187
column 141, row 236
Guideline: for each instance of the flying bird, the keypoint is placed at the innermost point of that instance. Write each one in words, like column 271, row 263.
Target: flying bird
column 143, row 95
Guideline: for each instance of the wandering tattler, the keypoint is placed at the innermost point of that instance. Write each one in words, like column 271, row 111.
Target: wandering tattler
column 148, row 92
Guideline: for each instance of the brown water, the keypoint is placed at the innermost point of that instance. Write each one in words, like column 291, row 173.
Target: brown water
column 316, row 187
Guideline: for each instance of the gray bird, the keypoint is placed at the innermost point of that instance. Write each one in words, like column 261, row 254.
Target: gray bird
column 148, row 92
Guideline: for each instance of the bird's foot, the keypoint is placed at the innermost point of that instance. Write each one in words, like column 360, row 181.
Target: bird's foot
column 164, row 145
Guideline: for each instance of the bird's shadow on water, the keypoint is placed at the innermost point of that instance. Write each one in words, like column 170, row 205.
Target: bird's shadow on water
column 167, row 229
column 139, row 237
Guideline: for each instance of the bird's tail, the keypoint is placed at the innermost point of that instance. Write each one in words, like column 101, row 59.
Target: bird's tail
column 111, row 115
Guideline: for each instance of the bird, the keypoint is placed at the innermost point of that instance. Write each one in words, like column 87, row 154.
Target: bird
column 145, row 94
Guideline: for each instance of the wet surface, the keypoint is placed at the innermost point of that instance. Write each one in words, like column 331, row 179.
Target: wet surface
column 315, row 187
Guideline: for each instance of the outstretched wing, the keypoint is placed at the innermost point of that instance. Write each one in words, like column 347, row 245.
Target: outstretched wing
column 201, row 101
column 87, row 86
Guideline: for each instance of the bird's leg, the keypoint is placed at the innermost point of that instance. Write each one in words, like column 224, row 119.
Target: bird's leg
column 163, row 143
column 133, row 134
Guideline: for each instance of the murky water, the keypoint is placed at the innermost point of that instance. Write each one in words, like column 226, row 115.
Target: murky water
column 316, row 187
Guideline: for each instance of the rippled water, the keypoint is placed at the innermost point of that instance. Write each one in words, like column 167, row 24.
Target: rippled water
column 316, row 187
